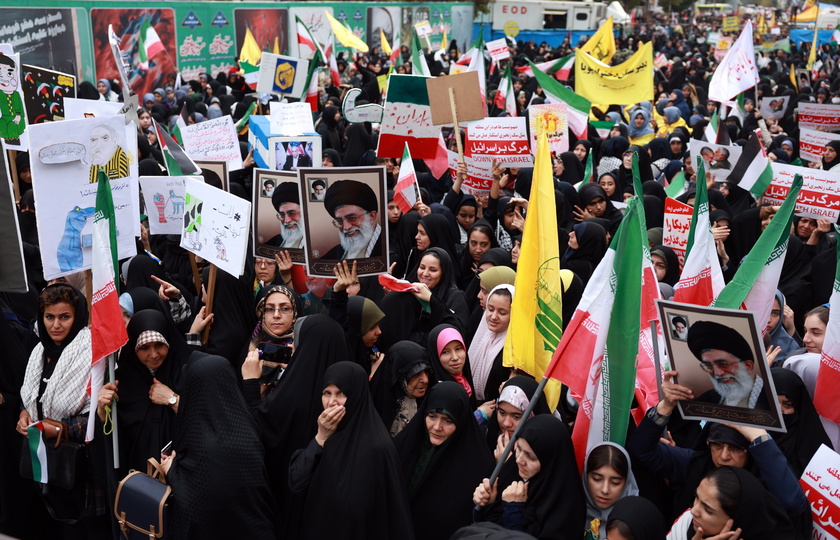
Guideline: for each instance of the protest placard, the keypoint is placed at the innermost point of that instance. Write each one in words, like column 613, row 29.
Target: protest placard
column 722, row 46
column 819, row 197
column 731, row 24
column 215, row 226
column 408, row 119
column 552, row 119
column 629, row 82
column 502, row 139
column 774, row 106
column 214, row 140
column 424, row 33
column 12, row 105
column 812, row 143
column 819, row 116
column 479, row 174
column 45, row 91
column 277, row 218
column 369, row 112
column 821, row 484
column 498, row 49
column 282, row 75
column 164, row 198
column 211, row 169
column 719, row 158
column 291, row 119
column 676, row 226
column 465, row 87
column 13, row 270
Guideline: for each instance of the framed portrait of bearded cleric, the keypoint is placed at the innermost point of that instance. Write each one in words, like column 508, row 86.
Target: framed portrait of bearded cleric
column 720, row 357
column 348, row 222
column 278, row 223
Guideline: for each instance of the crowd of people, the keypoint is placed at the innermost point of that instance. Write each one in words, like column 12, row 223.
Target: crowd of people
column 335, row 409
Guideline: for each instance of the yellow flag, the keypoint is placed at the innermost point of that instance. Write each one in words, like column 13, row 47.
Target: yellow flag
column 445, row 41
column 383, row 43
column 276, row 49
column 793, row 78
column 345, row 36
column 537, row 312
column 629, row 82
column 602, row 43
column 250, row 52
column 812, row 56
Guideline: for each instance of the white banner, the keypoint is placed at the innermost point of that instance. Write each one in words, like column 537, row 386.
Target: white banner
column 812, row 143
column 820, row 195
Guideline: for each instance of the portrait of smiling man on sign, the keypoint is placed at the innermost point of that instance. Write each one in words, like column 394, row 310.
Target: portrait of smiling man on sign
column 354, row 209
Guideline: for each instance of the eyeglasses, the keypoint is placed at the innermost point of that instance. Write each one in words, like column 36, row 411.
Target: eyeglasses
column 352, row 219
column 284, row 310
column 721, row 365
column 293, row 214
column 265, row 262
column 718, row 447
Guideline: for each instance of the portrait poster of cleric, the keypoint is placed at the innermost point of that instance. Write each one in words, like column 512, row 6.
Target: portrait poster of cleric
column 348, row 223
column 278, row 220
column 719, row 354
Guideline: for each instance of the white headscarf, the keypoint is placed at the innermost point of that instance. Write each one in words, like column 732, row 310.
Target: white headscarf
column 485, row 346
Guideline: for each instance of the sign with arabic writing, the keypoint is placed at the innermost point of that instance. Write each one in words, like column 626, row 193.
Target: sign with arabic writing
column 503, row 139
column 819, row 116
column 479, row 174
column 498, row 49
column 215, row 140
column 553, row 119
column 820, row 195
column 812, row 143
column 407, row 119
column 628, row 82
column 676, row 226
column 821, row 484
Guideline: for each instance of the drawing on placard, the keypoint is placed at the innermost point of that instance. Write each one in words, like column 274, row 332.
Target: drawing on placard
column 192, row 221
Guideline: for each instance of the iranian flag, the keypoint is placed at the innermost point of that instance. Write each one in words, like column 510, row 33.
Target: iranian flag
column 38, row 452
column 588, row 172
column 408, row 119
column 596, row 359
column 440, row 163
column 476, row 63
column 701, row 279
column 578, row 107
column 755, row 283
column 242, row 125
column 828, row 379
column 251, row 74
column 677, row 185
column 405, row 193
column 752, row 171
column 333, row 63
column 107, row 329
column 149, row 44
column 178, row 163
column 560, row 68
column 308, row 47
column 418, row 59
column 505, row 100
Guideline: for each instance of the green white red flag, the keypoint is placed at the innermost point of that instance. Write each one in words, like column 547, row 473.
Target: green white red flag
column 38, row 452
column 405, row 194
column 149, row 44
column 828, row 379
column 408, row 119
column 578, row 106
column 505, row 98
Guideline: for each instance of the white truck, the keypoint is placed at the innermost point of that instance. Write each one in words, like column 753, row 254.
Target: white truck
column 546, row 14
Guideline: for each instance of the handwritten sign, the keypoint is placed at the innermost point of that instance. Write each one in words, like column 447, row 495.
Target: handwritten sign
column 551, row 118
column 819, row 116
column 504, row 139
column 812, row 143
column 820, row 195
column 498, row 49
column 821, row 484
column 164, row 198
column 214, row 140
column 676, row 227
column 479, row 174
column 291, row 119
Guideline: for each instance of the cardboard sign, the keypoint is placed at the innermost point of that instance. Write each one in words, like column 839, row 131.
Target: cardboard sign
column 498, row 49
column 503, row 139
column 214, row 140
column 819, row 116
column 774, row 106
column 552, row 119
column 282, row 75
column 820, row 194
column 821, row 484
column 467, row 98
column 45, row 91
column 676, row 226
column 215, row 226
column 291, row 119
column 812, row 143
column 164, row 197
column 479, row 174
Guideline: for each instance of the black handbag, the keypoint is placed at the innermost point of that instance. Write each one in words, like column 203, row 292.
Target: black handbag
column 142, row 503
column 66, row 461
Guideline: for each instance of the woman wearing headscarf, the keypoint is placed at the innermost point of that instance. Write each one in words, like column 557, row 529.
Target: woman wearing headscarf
column 637, row 518
column 513, row 400
column 217, row 468
column 437, row 272
column 486, row 347
column 607, row 478
column 277, row 309
column 400, row 384
column 594, row 203
column 350, row 467
column 640, row 131
column 433, row 230
column 572, row 168
column 612, row 152
column 666, row 264
column 480, row 239
column 587, row 246
column 678, row 99
column 358, row 144
column 330, row 129
column 672, row 119
column 448, row 355
column 103, row 86
column 775, row 332
column 539, row 491
column 831, row 156
column 612, row 186
column 442, row 451
column 582, row 149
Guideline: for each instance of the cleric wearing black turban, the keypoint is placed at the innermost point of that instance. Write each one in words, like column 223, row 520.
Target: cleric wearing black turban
column 286, row 202
column 354, row 208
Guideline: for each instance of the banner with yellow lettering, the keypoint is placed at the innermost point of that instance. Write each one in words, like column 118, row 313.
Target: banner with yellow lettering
column 629, row 82
column 602, row 43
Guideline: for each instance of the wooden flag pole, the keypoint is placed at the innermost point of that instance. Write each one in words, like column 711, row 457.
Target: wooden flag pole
column 196, row 274
column 454, row 107
column 211, row 289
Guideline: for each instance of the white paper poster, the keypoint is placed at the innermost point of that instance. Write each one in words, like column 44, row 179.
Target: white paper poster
column 812, row 143
column 65, row 159
column 291, row 119
column 503, row 139
column 215, row 226
column 213, row 140
column 819, row 116
column 165, row 197
column 498, row 49
column 820, row 194
column 821, row 484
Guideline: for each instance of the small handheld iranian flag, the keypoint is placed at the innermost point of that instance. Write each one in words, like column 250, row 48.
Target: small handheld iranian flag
column 405, row 194
column 38, row 452
column 149, row 44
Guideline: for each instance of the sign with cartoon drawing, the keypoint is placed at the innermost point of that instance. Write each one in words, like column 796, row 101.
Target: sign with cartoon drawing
column 66, row 158
column 215, row 226
column 165, row 199
column 12, row 111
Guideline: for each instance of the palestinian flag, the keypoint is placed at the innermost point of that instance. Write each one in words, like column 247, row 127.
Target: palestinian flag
column 149, row 44
column 578, row 106
column 408, row 119
column 405, row 193
column 38, row 451
column 180, row 124
column 677, row 185
column 178, row 163
column 828, row 379
column 242, row 125
column 505, row 98
column 752, row 171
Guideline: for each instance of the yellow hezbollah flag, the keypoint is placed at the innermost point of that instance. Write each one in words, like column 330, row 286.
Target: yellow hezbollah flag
column 383, row 43
column 345, row 36
column 629, row 82
column 537, row 312
column 250, row 52
column 602, row 43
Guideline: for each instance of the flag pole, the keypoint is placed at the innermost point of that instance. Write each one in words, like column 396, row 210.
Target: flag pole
column 525, row 415
column 455, row 124
column 211, row 289
column 112, row 360
column 656, row 360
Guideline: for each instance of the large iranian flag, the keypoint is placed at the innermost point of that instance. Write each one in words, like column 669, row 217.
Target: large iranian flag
column 555, row 92
column 826, row 397
column 505, row 99
column 107, row 329
column 407, row 119
column 595, row 358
